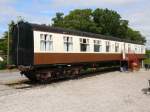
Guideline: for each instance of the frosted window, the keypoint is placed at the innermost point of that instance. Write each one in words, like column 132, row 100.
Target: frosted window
column 116, row 47
column 107, row 46
column 68, row 43
column 46, row 43
column 129, row 47
column 97, row 46
column 42, row 43
column 42, row 47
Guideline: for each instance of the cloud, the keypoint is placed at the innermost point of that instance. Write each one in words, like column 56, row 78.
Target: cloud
column 7, row 1
column 10, row 10
column 91, row 3
column 139, row 19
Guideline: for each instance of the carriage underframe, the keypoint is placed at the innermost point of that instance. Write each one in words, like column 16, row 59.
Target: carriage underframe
column 53, row 72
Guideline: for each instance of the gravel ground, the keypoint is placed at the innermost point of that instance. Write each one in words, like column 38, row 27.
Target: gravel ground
column 109, row 92
column 9, row 77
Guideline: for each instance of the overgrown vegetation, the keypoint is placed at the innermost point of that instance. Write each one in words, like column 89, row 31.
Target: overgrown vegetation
column 147, row 60
column 4, row 44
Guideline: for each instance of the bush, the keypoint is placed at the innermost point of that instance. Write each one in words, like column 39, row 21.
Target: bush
column 3, row 65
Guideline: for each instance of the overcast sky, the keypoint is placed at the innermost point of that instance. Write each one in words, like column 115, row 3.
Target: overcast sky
column 41, row 11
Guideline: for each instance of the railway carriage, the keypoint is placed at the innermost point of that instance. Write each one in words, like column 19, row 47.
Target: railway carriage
column 44, row 53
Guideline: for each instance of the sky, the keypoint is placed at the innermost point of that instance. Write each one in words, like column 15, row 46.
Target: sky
column 42, row 11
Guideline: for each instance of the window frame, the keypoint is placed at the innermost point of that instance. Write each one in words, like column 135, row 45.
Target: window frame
column 84, row 42
column 67, row 42
column 129, row 47
column 116, row 47
column 107, row 46
column 48, row 42
column 97, row 43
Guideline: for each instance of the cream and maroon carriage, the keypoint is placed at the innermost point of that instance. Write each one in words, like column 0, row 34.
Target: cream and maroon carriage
column 43, row 53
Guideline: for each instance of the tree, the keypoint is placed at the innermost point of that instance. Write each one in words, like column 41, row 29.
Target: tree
column 58, row 20
column 4, row 42
column 77, row 19
column 108, row 20
column 135, row 36
column 101, row 21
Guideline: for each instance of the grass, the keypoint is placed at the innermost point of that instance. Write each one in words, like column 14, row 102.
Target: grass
column 147, row 61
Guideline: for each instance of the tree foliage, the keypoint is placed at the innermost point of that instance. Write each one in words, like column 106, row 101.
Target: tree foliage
column 3, row 43
column 4, row 39
column 147, row 58
column 101, row 21
column 77, row 19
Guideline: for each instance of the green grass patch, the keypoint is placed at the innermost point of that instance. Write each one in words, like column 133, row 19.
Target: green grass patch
column 147, row 61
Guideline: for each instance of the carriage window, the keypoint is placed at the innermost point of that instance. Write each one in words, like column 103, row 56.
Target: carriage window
column 107, row 46
column 139, row 49
column 116, row 47
column 142, row 49
column 84, row 45
column 136, row 49
column 68, row 44
column 129, row 47
column 42, row 42
column 97, row 46
column 46, row 43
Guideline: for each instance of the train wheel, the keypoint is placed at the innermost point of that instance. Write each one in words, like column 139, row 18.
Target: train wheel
column 45, row 77
column 75, row 73
column 31, row 76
